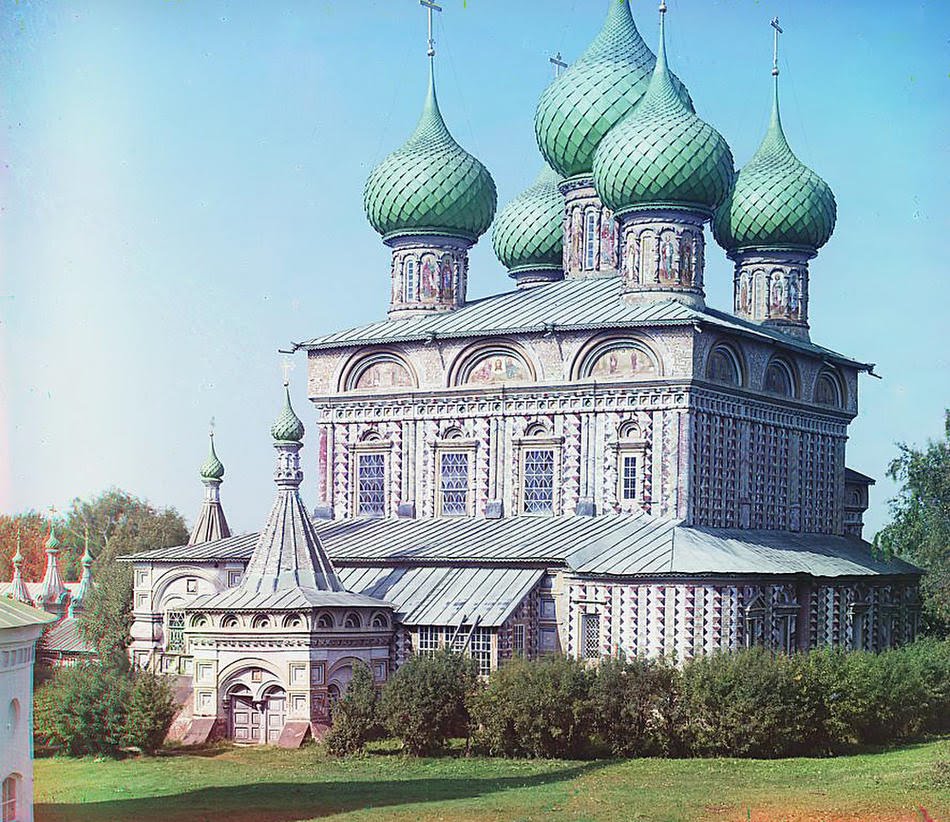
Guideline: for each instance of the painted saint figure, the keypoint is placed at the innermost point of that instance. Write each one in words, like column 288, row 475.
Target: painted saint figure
column 667, row 260
column 429, row 284
column 446, row 286
column 608, row 232
column 686, row 260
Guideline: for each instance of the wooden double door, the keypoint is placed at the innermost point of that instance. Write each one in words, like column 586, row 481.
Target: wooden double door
column 254, row 722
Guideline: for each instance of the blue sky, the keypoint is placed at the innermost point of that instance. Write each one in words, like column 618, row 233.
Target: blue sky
column 181, row 195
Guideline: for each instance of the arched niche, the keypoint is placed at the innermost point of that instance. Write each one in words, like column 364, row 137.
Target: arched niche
column 494, row 364
column 828, row 389
column 378, row 371
column 724, row 365
column 618, row 358
column 780, row 378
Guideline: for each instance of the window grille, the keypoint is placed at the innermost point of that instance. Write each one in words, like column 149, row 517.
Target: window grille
column 590, row 241
column 628, row 478
column 480, row 649
column 410, row 280
column 454, row 483
column 175, row 636
column 372, row 485
column 538, row 481
column 591, row 636
column 430, row 638
column 517, row 640
column 9, row 803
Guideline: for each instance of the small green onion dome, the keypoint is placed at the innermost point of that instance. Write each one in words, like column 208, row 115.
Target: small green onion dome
column 662, row 155
column 777, row 203
column 529, row 232
column 595, row 93
column 213, row 468
column 288, row 427
column 430, row 186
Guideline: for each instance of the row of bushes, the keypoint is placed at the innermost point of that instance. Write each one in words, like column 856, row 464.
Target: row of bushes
column 751, row 703
column 93, row 708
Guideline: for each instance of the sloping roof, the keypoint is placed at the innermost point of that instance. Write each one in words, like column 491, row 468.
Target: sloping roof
column 577, row 303
column 237, row 548
column 850, row 475
column 211, row 524
column 613, row 545
column 446, row 596
column 237, row 599
column 66, row 638
column 34, row 588
column 15, row 614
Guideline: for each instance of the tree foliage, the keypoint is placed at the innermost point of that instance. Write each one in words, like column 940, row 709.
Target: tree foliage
column 151, row 709
column 920, row 530
column 356, row 715
column 34, row 529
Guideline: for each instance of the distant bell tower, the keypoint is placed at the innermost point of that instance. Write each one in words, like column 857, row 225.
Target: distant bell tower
column 430, row 200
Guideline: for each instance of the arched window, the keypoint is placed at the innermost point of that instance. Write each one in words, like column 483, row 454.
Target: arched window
column 828, row 390
column 409, row 267
column 590, row 240
column 779, row 379
column 352, row 621
column 380, row 621
column 293, row 621
column 261, row 621
column 723, row 366
column 325, row 621
column 9, row 802
column 229, row 621
column 13, row 716
column 199, row 621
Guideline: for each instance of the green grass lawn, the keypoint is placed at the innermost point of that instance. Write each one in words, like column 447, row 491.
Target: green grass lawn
column 229, row 784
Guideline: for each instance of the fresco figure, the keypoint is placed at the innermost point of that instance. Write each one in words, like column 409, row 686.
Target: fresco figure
column 793, row 296
column 577, row 239
column 429, row 286
column 623, row 362
column 497, row 368
column 647, row 252
column 384, row 374
column 686, row 260
column 446, row 286
column 608, row 232
column 667, row 261
column 777, row 294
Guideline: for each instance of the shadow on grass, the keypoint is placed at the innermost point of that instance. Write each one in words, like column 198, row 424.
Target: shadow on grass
column 295, row 801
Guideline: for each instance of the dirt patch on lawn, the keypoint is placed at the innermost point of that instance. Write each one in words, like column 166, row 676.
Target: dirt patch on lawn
column 792, row 814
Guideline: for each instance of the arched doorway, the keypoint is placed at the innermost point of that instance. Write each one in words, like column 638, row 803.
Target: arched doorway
column 275, row 713
column 244, row 717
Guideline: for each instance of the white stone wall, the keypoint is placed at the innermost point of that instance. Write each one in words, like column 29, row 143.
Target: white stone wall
column 17, row 650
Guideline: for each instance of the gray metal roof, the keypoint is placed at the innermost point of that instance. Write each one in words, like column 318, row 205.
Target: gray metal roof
column 34, row 588
column 15, row 614
column 66, row 638
column 577, row 303
column 285, row 599
column 850, row 475
column 238, row 548
column 446, row 596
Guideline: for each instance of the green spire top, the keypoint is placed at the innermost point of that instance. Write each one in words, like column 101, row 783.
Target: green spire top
column 430, row 186
column 52, row 544
column 213, row 468
column 593, row 95
column 529, row 232
column 662, row 155
column 18, row 556
column 288, row 427
column 777, row 203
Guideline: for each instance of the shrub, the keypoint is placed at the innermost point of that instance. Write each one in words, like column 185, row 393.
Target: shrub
column 536, row 709
column 355, row 716
column 425, row 703
column 931, row 657
column 83, row 708
column 635, row 706
column 151, row 710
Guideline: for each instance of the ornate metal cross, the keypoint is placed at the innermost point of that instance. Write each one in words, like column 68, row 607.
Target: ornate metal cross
column 778, row 30
column 431, row 7
column 287, row 366
column 558, row 62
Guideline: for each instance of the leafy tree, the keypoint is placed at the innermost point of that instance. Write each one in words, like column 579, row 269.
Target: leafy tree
column 34, row 529
column 426, row 701
column 355, row 716
column 151, row 710
column 920, row 531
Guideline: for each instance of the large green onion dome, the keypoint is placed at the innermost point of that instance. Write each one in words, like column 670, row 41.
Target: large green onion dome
column 778, row 203
column 288, row 427
column 213, row 468
column 593, row 95
column 431, row 185
column 529, row 232
column 662, row 155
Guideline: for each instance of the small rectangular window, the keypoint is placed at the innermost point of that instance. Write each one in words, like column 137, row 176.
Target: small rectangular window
column 590, row 241
column 480, row 649
column 410, row 280
column 234, row 578
column 548, row 640
column 590, row 630
column 175, row 631
column 191, row 585
column 538, row 495
column 628, row 478
column 9, row 799
column 371, row 485
column 547, row 608
column 430, row 640
column 454, row 483
column 517, row 640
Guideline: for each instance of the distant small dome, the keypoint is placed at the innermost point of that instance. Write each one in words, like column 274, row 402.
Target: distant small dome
column 430, row 186
column 595, row 93
column 662, row 155
column 288, row 427
column 777, row 203
column 213, row 468
column 529, row 232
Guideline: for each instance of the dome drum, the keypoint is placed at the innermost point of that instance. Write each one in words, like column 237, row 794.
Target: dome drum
column 429, row 274
column 591, row 235
column 771, row 287
column 663, row 256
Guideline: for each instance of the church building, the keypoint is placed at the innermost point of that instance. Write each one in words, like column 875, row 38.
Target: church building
column 595, row 463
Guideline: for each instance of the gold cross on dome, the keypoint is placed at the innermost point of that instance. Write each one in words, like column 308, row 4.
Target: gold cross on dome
column 430, row 7
column 287, row 366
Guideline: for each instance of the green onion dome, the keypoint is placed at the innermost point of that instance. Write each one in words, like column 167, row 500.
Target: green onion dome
column 778, row 203
column 529, row 232
column 593, row 95
column 662, row 155
column 431, row 185
column 288, row 427
column 213, row 468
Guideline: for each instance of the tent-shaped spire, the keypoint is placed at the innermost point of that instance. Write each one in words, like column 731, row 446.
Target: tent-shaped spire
column 81, row 594
column 18, row 588
column 53, row 591
column 211, row 523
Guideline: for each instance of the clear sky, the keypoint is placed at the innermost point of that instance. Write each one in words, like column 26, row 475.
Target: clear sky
column 181, row 195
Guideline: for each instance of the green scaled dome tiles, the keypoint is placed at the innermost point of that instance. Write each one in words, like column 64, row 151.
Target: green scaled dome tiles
column 593, row 95
column 213, row 468
column 778, row 202
column 431, row 185
column 662, row 155
column 288, row 427
column 529, row 232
